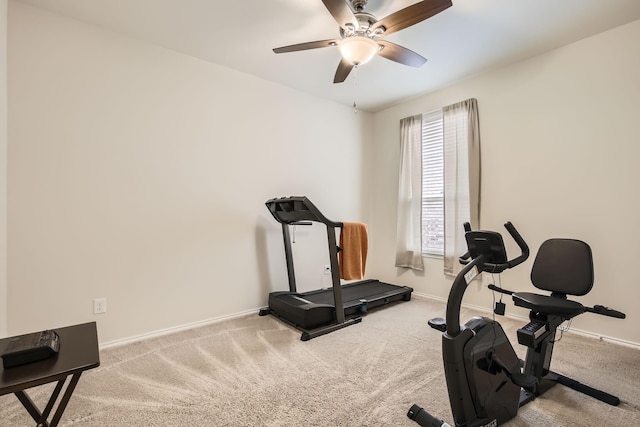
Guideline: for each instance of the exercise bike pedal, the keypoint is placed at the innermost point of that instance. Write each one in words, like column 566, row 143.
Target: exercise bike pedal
column 423, row 418
column 527, row 382
column 438, row 323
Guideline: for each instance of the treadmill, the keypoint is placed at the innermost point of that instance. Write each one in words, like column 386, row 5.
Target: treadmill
column 314, row 313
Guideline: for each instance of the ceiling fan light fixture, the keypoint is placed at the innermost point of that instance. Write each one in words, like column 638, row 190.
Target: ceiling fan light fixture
column 358, row 50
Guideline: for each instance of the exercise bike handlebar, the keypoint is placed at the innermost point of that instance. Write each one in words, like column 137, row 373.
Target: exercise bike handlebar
column 524, row 249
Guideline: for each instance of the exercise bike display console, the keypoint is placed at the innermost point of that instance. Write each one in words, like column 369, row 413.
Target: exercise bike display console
column 486, row 381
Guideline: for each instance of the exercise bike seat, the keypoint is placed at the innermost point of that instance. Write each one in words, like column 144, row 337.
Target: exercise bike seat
column 548, row 304
column 563, row 267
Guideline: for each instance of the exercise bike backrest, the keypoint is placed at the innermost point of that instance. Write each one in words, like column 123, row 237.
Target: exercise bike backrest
column 486, row 252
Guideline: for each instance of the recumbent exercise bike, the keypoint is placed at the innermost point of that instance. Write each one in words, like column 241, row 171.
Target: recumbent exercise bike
column 487, row 383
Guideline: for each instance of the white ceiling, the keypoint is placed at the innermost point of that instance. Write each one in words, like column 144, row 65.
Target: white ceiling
column 468, row 38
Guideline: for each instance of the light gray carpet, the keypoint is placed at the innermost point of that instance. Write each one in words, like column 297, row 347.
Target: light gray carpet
column 254, row 371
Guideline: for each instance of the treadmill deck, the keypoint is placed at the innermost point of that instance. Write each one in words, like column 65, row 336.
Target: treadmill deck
column 315, row 309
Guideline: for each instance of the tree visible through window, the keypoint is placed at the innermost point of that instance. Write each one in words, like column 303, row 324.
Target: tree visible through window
column 432, row 183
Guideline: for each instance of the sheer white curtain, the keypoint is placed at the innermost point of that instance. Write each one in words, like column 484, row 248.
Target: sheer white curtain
column 409, row 237
column 461, row 178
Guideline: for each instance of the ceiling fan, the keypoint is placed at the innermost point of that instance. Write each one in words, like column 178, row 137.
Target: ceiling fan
column 360, row 31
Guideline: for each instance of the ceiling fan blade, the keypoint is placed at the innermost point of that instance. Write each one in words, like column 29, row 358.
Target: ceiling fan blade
column 411, row 15
column 400, row 54
column 344, row 68
column 305, row 46
column 341, row 12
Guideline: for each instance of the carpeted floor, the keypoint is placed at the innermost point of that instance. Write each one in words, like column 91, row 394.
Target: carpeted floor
column 254, row 371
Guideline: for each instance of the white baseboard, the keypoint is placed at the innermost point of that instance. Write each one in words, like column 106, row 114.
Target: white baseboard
column 174, row 329
column 526, row 319
column 213, row 320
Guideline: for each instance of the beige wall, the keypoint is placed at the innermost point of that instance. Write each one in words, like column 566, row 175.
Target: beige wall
column 3, row 168
column 140, row 175
column 559, row 159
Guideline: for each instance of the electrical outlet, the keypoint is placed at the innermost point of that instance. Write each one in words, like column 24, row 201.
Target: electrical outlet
column 99, row 305
column 327, row 270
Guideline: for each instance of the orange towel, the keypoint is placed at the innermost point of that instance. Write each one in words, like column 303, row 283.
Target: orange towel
column 353, row 257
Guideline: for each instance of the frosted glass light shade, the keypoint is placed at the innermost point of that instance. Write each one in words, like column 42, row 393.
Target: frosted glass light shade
column 358, row 49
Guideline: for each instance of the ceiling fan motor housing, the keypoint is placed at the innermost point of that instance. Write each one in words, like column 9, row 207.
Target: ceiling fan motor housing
column 365, row 23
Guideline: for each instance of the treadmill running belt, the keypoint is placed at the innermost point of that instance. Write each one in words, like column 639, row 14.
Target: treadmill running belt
column 352, row 293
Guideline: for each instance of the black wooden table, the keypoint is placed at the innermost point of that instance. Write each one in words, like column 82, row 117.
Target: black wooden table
column 78, row 352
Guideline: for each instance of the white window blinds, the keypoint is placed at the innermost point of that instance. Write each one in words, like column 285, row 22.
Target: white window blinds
column 432, row 183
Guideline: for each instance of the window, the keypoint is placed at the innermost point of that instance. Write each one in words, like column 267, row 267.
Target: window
column 449, row 140
column 432, row 183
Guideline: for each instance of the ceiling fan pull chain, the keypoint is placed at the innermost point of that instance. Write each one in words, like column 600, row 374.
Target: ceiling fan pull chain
column 355, row 90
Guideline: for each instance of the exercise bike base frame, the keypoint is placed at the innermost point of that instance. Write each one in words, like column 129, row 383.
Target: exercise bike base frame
column 553, row 378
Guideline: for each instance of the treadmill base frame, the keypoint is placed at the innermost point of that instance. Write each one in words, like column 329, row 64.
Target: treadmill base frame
column 314, row 314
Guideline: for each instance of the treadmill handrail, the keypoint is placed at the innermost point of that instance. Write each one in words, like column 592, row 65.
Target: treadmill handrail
column 287, row 210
